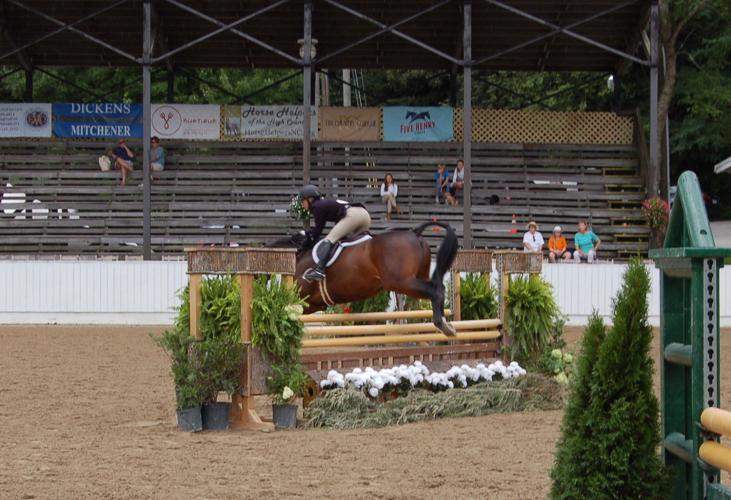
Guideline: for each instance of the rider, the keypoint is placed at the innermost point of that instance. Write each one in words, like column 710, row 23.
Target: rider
column 349, row 218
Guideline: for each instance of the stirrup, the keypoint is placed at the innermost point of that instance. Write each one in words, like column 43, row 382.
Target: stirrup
column 314, row 275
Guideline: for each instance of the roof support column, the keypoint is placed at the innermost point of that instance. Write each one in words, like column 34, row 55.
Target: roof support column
column 467, row 124
column 28, row 96
column 653, row 178
column 146, row 119
column 307, row 92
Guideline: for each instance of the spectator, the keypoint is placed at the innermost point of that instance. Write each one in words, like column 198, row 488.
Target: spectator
column 441, row 180
column 586, row 243
column 532, row 239
column 389, row 191
column 122, row 156
column 557, row 247
column 457, row 183
column 157, row 155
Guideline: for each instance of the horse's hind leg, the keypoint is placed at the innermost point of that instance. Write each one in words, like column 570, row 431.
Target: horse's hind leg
column 414, row 287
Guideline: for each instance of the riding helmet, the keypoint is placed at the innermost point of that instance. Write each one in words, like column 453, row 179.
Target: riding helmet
column 310, row 191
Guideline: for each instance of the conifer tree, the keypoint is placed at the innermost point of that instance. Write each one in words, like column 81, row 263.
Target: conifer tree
column 609, row 449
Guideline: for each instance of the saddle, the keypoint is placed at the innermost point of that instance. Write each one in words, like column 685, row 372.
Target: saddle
column 350, row 241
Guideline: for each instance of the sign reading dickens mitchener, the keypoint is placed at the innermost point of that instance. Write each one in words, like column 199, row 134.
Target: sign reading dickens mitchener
column 275, row 122
column 350, row 124
column 25, row 120
column 402, row 123
column 98, row 120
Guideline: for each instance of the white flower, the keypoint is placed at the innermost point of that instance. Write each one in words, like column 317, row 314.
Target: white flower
column 287, row 393
column 294, row 311
column 373, row 392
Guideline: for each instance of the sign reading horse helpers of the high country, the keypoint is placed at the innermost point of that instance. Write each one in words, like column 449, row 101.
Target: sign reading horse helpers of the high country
column 350, row 124
column 97, row 120
column 25, row 120
column 186, row 121
column 402, row 123
column 276, row 122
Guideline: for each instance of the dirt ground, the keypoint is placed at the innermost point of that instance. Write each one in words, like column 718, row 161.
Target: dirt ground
column 88, row 412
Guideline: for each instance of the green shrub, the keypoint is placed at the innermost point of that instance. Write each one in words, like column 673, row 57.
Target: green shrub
column 610, row 432
column 276, row 328
column 220, row 308
column 479, row 299
column 292, row 376
column 218, row 362
column 377, row 303
column 533, row 318
column 189, row 389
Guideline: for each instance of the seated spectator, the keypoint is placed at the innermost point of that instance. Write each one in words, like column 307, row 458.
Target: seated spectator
column 122, row 156
column 157, row 155
column 441, row 180
column 457, row 183
column 389, row 191
column 532, row 239
column 557, row 247
column 586, row 243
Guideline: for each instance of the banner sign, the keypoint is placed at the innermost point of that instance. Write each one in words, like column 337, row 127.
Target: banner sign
column 275, row 122
column 97, row 120
column 402, row 123
column 231, row 119
column 350, row 124
column 186, row 121
column 25, row 120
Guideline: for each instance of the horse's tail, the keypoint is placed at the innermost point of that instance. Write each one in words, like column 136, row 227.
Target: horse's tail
column 447, row 250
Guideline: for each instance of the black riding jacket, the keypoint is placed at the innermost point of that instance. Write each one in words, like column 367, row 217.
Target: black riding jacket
column 324, row 211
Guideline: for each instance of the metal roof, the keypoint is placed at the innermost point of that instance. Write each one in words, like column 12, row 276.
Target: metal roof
column 497, row 26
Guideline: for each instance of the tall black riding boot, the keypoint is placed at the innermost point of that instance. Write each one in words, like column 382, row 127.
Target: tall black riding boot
column 323, row 255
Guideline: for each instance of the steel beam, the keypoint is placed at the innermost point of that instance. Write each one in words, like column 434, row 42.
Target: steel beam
column 395, row 32
column 63, row 28
column 146, row 123
column 467, row 122
column 306, row 90
column 558, row 29
column 653, row 181
column 73, row 29
column 380, row 32
column 227, row 27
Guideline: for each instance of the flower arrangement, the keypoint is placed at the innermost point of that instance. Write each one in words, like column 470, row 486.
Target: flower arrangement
column 656, row 210
column 403, row 379
column 297, row 210
column 560, row 365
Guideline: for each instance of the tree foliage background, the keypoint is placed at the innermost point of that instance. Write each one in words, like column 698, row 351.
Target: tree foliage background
column 699, row 117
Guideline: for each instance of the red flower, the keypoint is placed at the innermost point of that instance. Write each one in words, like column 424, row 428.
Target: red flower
column 346, row 309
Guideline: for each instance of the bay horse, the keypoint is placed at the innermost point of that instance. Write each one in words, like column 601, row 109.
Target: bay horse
column 397, row 261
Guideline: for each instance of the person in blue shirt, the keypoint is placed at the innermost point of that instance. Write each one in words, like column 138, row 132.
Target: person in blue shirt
column 441, row 180
column 122, row 156
column 586, row 243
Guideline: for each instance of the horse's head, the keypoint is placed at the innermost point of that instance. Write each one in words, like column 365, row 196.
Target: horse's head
column 296, row 240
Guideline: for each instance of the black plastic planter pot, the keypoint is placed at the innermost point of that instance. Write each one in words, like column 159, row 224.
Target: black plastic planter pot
column 284, row 416
column 189, row 420
column 215, row 416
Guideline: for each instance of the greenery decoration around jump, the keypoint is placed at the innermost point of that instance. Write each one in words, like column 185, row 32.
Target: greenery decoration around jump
column 610, row 432
column 478, row 297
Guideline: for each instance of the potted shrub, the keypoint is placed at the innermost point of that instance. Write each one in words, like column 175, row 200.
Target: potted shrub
column 219, row 362
column 286, row 384
column 190, row 391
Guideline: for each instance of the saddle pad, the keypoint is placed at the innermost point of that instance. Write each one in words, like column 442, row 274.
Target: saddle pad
column 339, row 248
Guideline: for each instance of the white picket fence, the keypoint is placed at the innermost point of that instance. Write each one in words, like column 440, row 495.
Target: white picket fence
column 145, row 293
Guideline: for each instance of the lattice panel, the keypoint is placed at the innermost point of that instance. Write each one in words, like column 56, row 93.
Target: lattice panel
column 546, row 127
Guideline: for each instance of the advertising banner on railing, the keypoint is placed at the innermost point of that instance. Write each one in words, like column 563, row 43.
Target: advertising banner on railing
column 97, row 120
column 404, row 123
column 350, row 124
column 275, row 122
column 25, row 119
column 186, row 121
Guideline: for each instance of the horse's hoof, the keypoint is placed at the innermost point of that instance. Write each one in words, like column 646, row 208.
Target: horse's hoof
column 447, row 329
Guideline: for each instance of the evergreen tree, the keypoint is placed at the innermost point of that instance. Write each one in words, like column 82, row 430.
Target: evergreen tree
column 619, row 423
column 575, row 444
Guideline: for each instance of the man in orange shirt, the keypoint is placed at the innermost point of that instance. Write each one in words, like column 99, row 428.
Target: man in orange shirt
column 557, row 248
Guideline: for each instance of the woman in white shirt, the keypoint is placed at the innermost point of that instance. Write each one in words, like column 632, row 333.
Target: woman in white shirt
column 389, row 191
column 532, row 240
